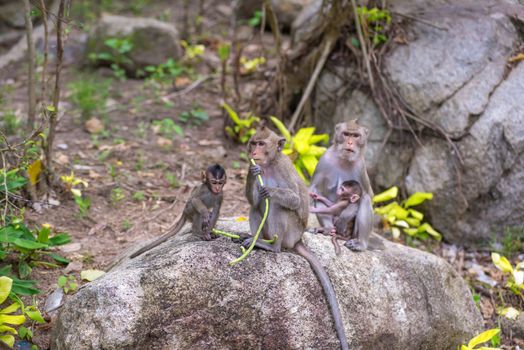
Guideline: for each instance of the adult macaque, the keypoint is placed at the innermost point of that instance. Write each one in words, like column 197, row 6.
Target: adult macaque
column 343, row 211
column 344, row 160
column 288, row 209
column 202, row 208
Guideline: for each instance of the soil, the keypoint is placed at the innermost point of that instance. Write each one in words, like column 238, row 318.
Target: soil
column 131, row 156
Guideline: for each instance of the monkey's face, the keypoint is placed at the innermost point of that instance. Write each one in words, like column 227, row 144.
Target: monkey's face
column 214, row 184
column 264, row 146
column 348, row 194
column 350, row 140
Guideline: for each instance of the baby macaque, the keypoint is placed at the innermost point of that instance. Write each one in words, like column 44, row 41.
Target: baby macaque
column 202, row 208
column 343, row 211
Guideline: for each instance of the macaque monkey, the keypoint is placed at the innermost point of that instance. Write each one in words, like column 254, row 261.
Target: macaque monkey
column 344, row 160
column 343, row 211
column 202, row 208
column 288, row 209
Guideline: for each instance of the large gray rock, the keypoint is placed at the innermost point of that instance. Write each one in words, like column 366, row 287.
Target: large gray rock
column 285, row 10
column 453, row 73
column 184, row 295
column 153, row 42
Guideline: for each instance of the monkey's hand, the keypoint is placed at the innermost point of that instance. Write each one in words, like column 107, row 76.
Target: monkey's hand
column 313, row 195
column 255, row 170
column 263, row 192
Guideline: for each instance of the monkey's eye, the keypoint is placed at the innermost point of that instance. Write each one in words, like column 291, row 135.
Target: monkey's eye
column 345, row 134
column 261, row 144
column 356, row 136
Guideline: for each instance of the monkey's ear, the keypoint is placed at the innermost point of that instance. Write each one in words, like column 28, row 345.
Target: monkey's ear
column 354, row 198
column 281, row 144
column 204, row 176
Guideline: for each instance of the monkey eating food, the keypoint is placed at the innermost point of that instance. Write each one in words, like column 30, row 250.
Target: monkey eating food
column 344, row 160
column 201, row 209
column 343, row 211
column 288, row 209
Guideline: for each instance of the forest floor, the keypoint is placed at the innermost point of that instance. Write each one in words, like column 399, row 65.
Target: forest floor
column 139, row 175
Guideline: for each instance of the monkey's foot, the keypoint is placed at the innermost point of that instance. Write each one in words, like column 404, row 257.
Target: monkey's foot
column 355, row 245
column 320, row 230
column 259, row 244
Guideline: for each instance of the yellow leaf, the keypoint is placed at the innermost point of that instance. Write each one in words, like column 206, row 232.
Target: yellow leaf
column 91, row 275
column 401, row 223
column 316, row 151
column 410, row 231
column 510, row 313
column 398, row 212
column 240, row 219
column 12, row 319
column 10, row 309
column 518, row 276
column 319, row 138
column 232, row 114
column 520, row 266
column 386, row 195
column 5, row 288
column 501, row 262
column 287, row 151
column 310, row 163
column 281, row 127
column 416, row 214
column 413, row 222
column 4, row 329
column 34, row 170
column 8, row 339
column 429, row 230
column 483, row 337
column 417, row 198
column 516, row 58
column 76, row 192
column 395, row 232
column 385, row 209
column 464, row 347
column 301, row 139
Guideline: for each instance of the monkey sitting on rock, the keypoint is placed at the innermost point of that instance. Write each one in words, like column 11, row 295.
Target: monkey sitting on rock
column 202, row 208
column 343, row 212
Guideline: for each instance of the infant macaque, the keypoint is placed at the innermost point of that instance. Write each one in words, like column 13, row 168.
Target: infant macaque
column 343, row 211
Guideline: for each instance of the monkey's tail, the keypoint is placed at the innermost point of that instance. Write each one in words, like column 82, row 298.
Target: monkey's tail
column 323, row 277
column 170, row 233
column 335, row 244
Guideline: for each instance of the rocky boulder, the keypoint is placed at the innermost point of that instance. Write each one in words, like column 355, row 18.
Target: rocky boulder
column 184, row 295
column 285, row 10
column 453, row 72
column 151, row 41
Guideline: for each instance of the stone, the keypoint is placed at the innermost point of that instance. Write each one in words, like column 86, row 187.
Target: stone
column 12, row 14
column 153, row 41
column 94, row 126
column 184, row 295
column 285, row 10
column 70, row 248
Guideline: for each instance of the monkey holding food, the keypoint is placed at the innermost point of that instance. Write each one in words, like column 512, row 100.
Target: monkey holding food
column 343, row 211
column 288, row 209
column 201, row 209
column 344, row 160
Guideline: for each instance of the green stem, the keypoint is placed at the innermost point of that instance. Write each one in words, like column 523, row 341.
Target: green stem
column 248, row 250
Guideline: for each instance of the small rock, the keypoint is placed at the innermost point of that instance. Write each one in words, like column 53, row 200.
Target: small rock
column 81, row 167
column 62, row 159
column 62, row 146
column 163, row 142
column 70, row 248
column 54, row 300
column 94, row 126
column 218, row 152
column 74, row 266
column 53, row 201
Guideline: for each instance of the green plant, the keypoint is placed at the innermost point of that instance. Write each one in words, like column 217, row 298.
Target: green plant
column 172, row 180
column 168, row 128
column 192, row 52
column 116, row 55
column 490, row 334
column 89, row 94
column 256, row 19
column 117, row 194
column 515, row 282
column 302, row 148
column 403, row 216
column 6, row 314
column 68, row 283
column 195, row 116
column 168, row 70
column 243, row 128
column 10, row 123
column 251, row 65
column 30, row 246
column 72, row 183
column 139, row 196
column 126, row 225
column 374, row 22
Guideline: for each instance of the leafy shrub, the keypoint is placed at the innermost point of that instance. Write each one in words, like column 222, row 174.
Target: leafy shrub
column 403, row 216
column 168, row 128
column 116, row 55
column 515, row 281
column 195, row 116
column 243, row 128
column 168, row 70
column 373, row 22
column 89, row 94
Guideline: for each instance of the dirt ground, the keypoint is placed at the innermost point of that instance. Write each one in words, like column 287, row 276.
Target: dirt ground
column 132, row 157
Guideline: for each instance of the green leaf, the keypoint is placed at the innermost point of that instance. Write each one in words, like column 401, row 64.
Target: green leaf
column 51, row 108
column 398, row 212
column 35, row 315
column 5, row 287
column 413, row 222
column 483, row 337
column 27, row 244
column 24, row 270
column 91, row 275
column 386, row 195
column 416, row 214
column 224, row 51
column 59, row 239
column 59, row 258
column 417, row 198
column 43, row 235
column 62, row 280
column 384, row 210
column 426, row 228
column 232, row 114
